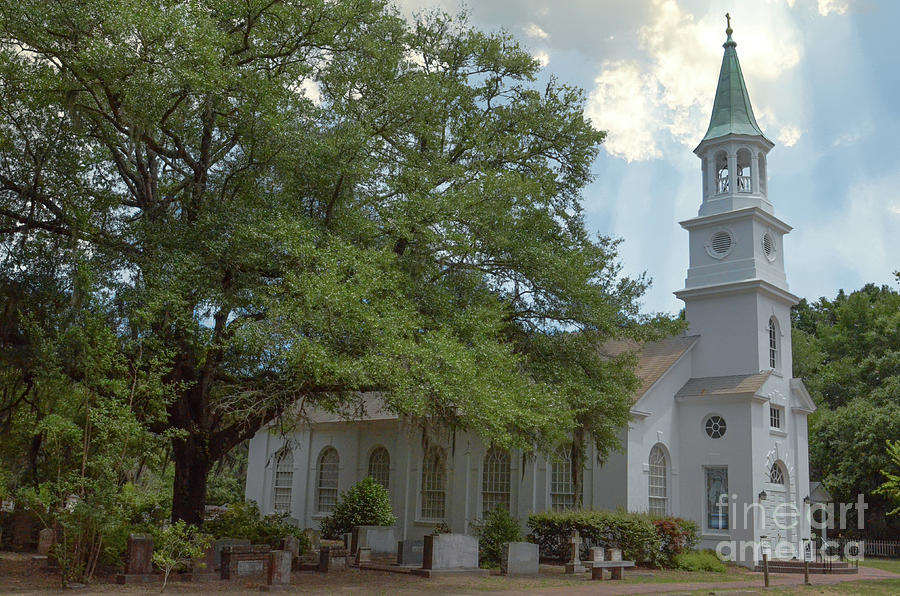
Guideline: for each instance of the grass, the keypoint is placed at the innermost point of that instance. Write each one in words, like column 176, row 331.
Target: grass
column 885, row 564
column 883, row 587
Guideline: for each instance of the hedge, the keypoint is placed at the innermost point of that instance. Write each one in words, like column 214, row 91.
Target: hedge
column 642, row 538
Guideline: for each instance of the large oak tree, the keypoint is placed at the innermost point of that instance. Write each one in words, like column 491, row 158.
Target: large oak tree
column 291, row 202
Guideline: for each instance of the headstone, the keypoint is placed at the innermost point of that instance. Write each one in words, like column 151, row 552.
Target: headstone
column 292, row 545
column 574, row 565
column 450, row 551
column 278, row 576
column 348, row 539
column 519, row 558
column 381, row 539
column 315, row 541
column 203, row 568
column 410, row 552
column 46, row 538
column 363, row 555
column 245, row 561
column 324, row 559
column 138, row 560
column 614, row 554
column 221, row 543
column 598, row 553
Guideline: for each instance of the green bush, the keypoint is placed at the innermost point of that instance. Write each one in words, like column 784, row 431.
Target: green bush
column 634, row 533
column 366, row 503
column 699, row 560
column 243, row 520
column 176, row 545
column 498, row 527
column 676, row 536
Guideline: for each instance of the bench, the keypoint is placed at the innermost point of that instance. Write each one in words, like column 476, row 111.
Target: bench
column 615, row 568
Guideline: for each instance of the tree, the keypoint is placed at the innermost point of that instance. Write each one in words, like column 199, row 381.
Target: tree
column 891, row 486
column 288, row 204
column 847, row 350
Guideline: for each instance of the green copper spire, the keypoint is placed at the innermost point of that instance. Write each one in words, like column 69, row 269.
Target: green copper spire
column 731, row 113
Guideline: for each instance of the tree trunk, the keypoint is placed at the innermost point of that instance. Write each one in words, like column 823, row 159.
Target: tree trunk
column 192, row 465
column 578, row 450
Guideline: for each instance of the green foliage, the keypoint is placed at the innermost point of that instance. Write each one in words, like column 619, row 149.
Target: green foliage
column 498, row 527
column 703, row 560
column 634, row 533
column 366, row 503
column 243, row 520
column 891, row 486
column 676, row 536
column 176, row 545
column 847, row 351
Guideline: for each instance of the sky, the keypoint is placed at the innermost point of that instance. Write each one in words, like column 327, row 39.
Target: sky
column 824, row 81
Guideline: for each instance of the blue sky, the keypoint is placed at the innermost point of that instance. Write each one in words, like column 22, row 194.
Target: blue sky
column 824, row 80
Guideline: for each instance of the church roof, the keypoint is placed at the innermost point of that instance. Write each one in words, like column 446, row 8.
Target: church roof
column 729, row 385
column 654, row 358
column 732, row 112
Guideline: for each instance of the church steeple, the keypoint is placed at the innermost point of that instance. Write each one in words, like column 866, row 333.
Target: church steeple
column 732, row 112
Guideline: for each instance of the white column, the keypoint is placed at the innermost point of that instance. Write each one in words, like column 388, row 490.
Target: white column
column 754, row 172
column 711, row 174
column 732, row 173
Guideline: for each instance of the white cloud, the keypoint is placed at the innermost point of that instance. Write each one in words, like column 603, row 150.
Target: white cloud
column 543, row 58
column 647, row 103
column 789, row 135
column 827, row 7
column 895, row 208
column 532, row 30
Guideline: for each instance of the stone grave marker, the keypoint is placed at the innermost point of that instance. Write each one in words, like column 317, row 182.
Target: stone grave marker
column 575, row 565
column 410, row 552
column 381, row 539
column 46, row 538
column 519, row 558
column 221, row 543
column 292, row 545
column 138, row 561
column 245, row 561
column 450, row 553
column 278, row 576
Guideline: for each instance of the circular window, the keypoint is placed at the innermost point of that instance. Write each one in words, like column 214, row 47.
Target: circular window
column 768, row 245
column 715, row 427
column 720, row 244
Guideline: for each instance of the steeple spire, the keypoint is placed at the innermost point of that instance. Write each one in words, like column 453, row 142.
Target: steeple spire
column 732, row 112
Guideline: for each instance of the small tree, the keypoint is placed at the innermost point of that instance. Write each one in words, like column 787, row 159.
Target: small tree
column 891, row 487
column 176, row 545
column 367, row 503
column 498, row 527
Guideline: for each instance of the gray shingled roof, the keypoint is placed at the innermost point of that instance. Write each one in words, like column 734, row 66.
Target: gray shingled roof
column 654, row 359
column 730, row 385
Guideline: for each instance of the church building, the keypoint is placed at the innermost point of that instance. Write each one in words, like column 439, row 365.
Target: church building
column 718, row 432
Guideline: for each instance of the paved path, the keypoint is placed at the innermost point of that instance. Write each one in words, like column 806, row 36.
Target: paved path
column 775, row 580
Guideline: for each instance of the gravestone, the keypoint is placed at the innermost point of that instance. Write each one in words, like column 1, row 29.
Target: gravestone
column 138, row 561
column 598, row 553
column 575, row 565
column 221, row 543
column 410, row 552
column 292, row 545
column 364, row 555
column 450, row 551
column 348, row 540
column 245, row 561
column 332, row 559
column 519, row 558
column 314, row 539
column 46, row 538
column 381, row 539
column 203, row 568
column 278, row 576
column 614, row 554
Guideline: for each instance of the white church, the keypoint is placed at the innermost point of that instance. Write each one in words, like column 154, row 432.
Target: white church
column 718, row 432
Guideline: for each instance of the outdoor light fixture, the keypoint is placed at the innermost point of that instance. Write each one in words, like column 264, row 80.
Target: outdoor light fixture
column 806, row 500
column 762, row 495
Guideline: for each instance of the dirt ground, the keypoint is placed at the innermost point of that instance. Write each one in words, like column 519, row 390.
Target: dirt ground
column 19, row 576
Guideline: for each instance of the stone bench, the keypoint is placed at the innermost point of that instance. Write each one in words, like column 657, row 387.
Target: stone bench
column 615, row 568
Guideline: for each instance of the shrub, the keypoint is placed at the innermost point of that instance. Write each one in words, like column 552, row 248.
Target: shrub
column 243, row 520
column 699, row 560
column 498, row 527
column 634, row 533
column 176, row 545
column 366, row 503
column 676, row 536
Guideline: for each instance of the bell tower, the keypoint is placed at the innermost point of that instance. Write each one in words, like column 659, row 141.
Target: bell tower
column 736, row 291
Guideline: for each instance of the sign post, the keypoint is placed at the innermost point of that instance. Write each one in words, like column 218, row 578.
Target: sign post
column 807, row 557
column 766, row 548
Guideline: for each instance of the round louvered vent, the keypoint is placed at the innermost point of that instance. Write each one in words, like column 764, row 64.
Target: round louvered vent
column 721, row 243
column 768, row 244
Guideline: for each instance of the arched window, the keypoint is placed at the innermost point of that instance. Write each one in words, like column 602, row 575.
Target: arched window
column 327, row 480
column 495, row 481
column 723, row 182
column 776, row 474
column 659, row 485
column 773, row 343
column 562, row 489
column 283, row 481
column 744, row 181
column 380, row 466
column 434, row 484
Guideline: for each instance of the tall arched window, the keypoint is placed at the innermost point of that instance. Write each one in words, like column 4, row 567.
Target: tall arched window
column 327, row 480
column 744, row 180
column 495, row 481
column 380, row 466
column 562, row 489
column 773, row 343
column 659, row 481
column 282, row 481
column 723, row 181
column 776, row 474
column 434, row 484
